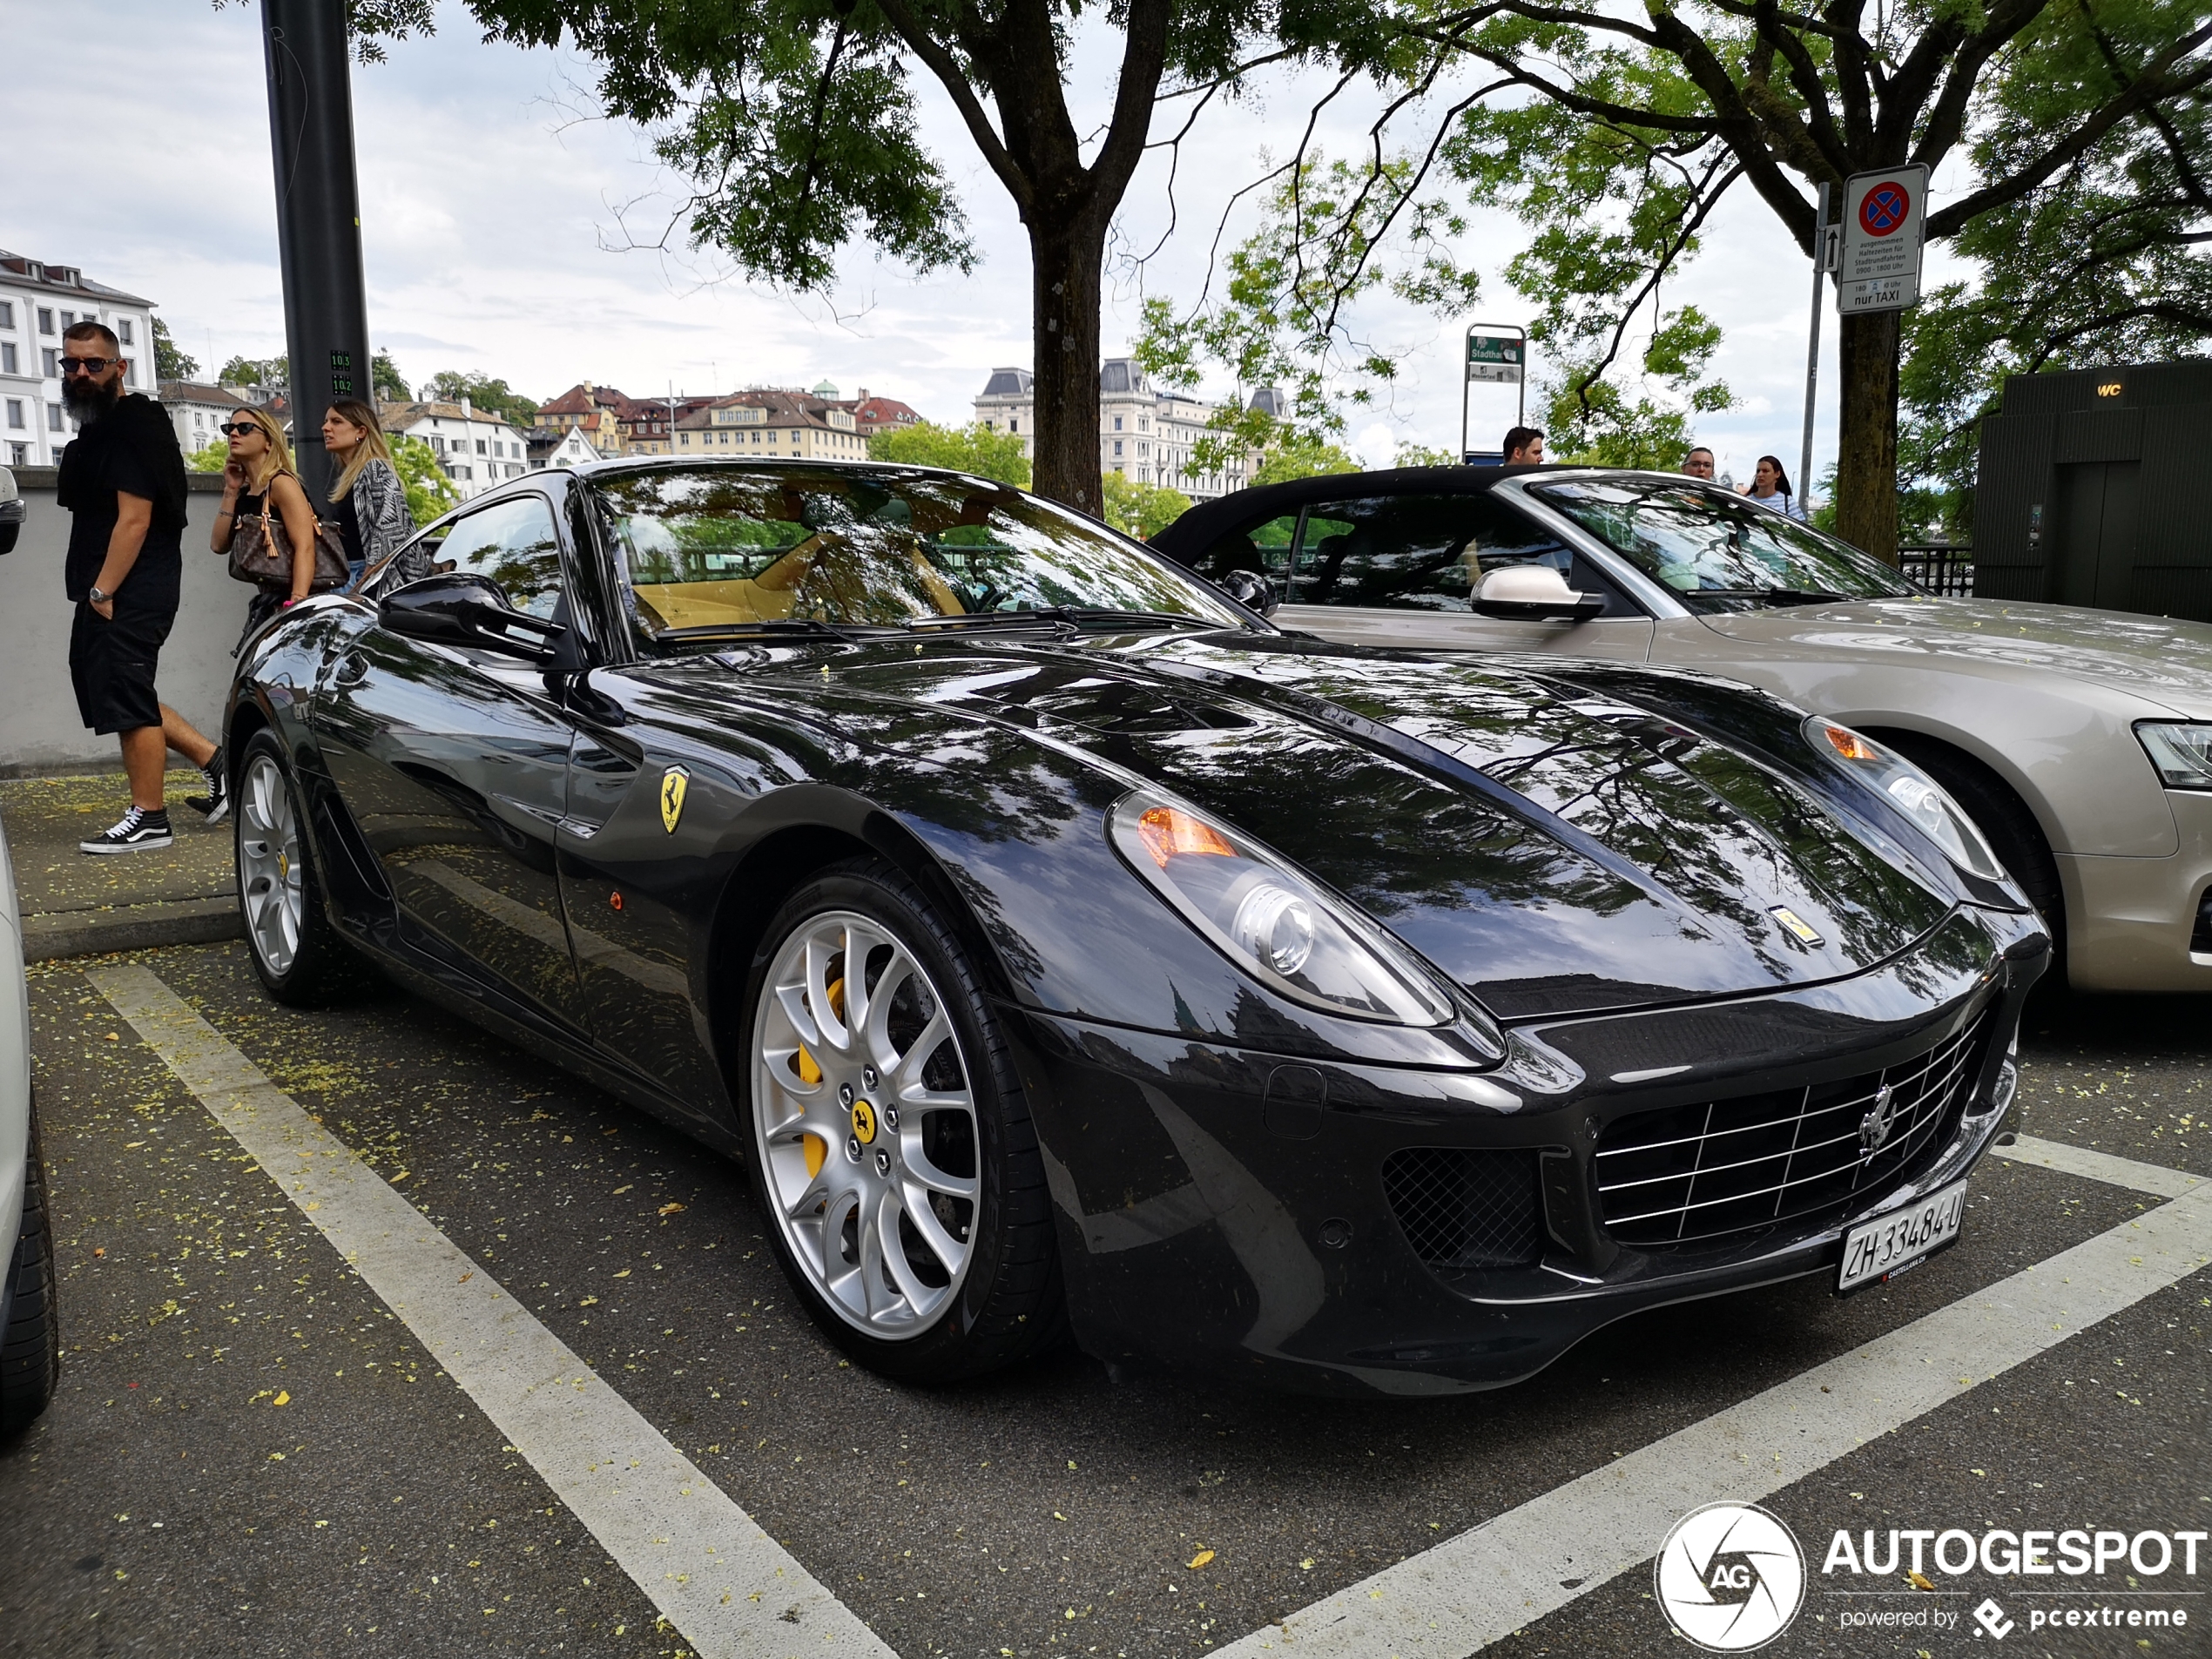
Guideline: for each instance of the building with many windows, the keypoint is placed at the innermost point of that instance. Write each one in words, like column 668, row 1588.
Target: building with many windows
column 476, row 448
column 38, row 303
column 199, row 412
column 553, row 446
column 768, row 421
column 1143, row 434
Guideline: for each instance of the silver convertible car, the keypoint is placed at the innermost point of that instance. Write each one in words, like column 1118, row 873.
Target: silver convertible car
column 2080, row 741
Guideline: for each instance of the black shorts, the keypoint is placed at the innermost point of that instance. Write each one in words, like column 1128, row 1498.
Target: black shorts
column 111, row 665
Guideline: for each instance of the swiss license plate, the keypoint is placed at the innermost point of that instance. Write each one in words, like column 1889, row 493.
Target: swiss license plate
column 1891, row 1243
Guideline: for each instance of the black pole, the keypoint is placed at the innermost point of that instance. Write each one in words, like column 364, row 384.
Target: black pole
column 319, row 227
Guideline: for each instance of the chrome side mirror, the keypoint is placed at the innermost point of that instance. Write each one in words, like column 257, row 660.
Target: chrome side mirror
column 1533, row 593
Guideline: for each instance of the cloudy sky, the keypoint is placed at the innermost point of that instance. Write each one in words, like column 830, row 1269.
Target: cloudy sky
column 496, row 205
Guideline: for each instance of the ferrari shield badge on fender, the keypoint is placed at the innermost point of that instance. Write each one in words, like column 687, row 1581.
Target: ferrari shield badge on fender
column 1792, row 924
column 673, row 783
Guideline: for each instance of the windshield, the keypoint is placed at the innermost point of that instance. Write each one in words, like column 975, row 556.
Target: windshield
column 1718, row 552
column 725, row 547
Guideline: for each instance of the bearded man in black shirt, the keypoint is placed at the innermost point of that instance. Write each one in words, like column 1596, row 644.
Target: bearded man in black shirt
column 123, row 480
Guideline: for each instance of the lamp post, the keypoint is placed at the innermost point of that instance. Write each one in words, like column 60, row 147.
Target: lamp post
column 319, row 227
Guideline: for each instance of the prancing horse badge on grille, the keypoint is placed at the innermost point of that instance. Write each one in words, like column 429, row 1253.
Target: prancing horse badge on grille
column 1874, row 1127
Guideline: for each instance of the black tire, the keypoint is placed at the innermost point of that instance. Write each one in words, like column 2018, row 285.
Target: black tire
column 1010, row 1303
column 2003, row 817
column 31, row 1348
column 315, row 972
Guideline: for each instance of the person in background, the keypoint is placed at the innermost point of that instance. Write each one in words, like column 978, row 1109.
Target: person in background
column 259, row 478
column 368, row 502
column 1771, row 488
column 1524, row 447
column 123, row 480
column 1698, row 464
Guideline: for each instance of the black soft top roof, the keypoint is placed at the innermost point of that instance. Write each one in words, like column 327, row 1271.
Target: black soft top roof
column 1199, row 528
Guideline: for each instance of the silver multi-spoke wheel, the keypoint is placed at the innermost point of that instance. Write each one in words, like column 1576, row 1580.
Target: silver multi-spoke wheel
column 863, row 1115
column 270, row 876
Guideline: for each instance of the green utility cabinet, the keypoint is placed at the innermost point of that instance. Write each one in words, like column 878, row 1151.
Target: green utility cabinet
column 2093, row 490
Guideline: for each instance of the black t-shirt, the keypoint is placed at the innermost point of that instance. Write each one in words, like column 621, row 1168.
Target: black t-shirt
column 131, row 448
column 349, row 526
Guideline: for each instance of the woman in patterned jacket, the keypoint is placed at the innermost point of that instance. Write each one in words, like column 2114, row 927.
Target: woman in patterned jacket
column 368, row 502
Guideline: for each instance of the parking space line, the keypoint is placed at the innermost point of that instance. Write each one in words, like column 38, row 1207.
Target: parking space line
column 726, row 1586
column 1503, row 1575
column 2101, row 1166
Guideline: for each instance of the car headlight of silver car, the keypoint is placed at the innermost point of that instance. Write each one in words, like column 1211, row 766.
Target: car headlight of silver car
column 1912, row 791
column 2180, row 751
column 1270, row 920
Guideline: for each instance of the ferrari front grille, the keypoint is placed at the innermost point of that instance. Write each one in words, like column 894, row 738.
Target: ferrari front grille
column 1698, row 1172
column 1460, row 1208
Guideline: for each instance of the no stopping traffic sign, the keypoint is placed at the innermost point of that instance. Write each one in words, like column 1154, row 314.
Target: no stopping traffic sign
column 1882, row 217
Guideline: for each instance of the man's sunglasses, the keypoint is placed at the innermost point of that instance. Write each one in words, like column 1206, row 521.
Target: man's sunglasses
column 87, row 365
column 238, row 431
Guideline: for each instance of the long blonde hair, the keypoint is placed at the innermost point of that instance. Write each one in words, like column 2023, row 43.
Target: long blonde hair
column 372, row 446
column 278, row 461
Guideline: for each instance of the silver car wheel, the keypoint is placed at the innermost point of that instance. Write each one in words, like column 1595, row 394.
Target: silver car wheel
column 269, row 874
column 864, row 1121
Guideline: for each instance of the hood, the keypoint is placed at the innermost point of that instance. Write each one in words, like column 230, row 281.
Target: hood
column 1550, row 849
column 2162, row 660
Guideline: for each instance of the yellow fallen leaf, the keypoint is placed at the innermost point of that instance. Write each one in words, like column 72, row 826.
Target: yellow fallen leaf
column 1921, row 1580
column 670, row 1209
column 624, row 1274
column 284, row 1398
column 588, row 1301
column 1306, row 1565
column 1201, row 1559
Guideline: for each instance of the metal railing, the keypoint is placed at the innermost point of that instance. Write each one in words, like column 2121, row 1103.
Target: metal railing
column 1940, row 567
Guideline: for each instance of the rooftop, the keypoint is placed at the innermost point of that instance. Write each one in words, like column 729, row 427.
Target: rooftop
column 61, row 279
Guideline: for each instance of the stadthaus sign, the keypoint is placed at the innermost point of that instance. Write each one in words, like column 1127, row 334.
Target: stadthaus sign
column 1495, row 358
column 1885, row 214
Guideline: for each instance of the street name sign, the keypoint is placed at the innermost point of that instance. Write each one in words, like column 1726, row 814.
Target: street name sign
column 1496, row 359
column 1884, row 215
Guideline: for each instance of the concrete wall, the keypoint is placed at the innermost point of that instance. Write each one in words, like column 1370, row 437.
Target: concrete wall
column 39, row 729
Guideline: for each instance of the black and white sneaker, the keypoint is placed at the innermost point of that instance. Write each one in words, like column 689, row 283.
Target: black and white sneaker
column 139, row 831
column 215, row 805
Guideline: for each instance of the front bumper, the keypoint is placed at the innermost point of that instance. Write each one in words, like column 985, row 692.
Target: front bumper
column 1223, row 1210
column 2133, row 923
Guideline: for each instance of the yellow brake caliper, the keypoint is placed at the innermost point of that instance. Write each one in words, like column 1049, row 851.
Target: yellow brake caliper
column 810, row 1074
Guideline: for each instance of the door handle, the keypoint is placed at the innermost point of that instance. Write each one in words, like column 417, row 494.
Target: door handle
column 352, row 668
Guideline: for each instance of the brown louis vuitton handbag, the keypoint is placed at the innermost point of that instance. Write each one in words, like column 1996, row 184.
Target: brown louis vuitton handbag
column 260, row 553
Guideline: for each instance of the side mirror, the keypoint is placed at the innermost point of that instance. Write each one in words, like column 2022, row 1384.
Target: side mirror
column 1251, row 590
column 1533, row 593
column 11, row 511
column 468, row 610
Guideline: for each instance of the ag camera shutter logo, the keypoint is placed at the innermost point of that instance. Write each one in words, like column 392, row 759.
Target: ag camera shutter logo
column 1730, row 1577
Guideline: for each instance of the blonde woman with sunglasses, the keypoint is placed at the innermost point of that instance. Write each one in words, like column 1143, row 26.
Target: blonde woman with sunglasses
column 260, row 478
column 368, row 502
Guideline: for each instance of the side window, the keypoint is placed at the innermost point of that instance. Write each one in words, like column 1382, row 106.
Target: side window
column 1415, row 552
column 1264, row 548
column 514, row 544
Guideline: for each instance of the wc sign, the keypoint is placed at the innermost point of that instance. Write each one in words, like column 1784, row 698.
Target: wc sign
column 1885, row 214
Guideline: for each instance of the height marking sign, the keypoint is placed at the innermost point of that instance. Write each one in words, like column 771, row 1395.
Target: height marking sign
column 1884, row 215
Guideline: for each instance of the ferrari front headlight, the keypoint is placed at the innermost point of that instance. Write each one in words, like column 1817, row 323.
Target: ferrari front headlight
column 1271, row 921
column 1912, row 791
column 2180, row 751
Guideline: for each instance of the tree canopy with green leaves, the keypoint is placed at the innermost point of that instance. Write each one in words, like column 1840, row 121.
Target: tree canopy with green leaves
column 493, row 396
column 272, row 374
column 796, row 124
column 2077, row 130
column 973, row 448
column 170, row 362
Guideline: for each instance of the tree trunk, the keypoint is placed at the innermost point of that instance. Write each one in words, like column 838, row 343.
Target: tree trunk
column 1866, row 451
column 1064, row 266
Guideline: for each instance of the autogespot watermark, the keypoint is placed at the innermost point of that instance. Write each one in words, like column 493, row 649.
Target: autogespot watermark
column 1730, row 1577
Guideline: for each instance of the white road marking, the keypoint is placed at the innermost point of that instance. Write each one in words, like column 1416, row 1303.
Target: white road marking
column 730, row 1591
column 1503, row 1575
column 2101, row 1166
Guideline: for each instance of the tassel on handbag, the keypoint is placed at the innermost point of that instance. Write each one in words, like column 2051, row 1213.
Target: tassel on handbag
column 261, row 552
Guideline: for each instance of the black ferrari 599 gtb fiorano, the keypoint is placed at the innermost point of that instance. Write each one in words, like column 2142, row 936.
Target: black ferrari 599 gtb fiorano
column 1059, row 945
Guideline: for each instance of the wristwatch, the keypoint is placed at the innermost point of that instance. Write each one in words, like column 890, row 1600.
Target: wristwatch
column 95, row 596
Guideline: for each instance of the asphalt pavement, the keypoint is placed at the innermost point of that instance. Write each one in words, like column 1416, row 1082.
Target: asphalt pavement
column 252, row 1453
